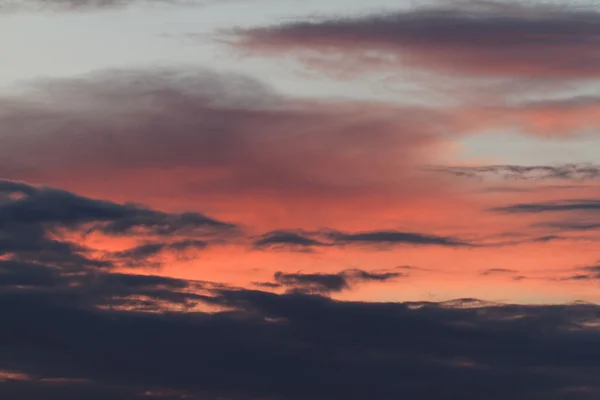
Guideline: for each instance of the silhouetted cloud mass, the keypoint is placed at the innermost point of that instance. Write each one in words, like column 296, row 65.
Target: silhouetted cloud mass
column 73, row 327
column 298, row 346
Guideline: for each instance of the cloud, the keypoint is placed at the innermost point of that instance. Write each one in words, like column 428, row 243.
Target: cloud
column 12, row 6
column 587, row 273
column 395, row 238
column 501, row 271
column 42, row 240
column 321, row 283
column 54, row 207
column 64, row 309
column 560, row 172
column 152, row 249
column 210, row 136
column 513, row 350
column 592, row 268
column 586, row 205
column 144, row 254
column 305, row 240
column 473, row 39
column 287, row 239
column 570, row 226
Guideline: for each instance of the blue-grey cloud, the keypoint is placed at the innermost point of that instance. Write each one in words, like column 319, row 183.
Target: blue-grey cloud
column 387, row 350
column 307, row 240
column 323, row 283
column 571, row 205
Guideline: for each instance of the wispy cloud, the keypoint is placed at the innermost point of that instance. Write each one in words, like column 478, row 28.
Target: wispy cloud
column 585, row 205
column 327, row 238
column 15, row 6
column 558, row 172
column 499, row 271
column 322, row 283
column 475, row 39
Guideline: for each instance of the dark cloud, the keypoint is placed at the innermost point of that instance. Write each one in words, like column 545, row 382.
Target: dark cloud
column 144, row 255
column 321, row 283
column 73, row 328
column 580, row 277
column 304, row 346
column 569, row 172
column 570, row 226
column 499, row 271
column 287, row 239
column 587, row 273
column 395, row 238
column 38, row 226
column 41, row 388
column 489, row 39
column 49, row 207
column 308, row 240
column 587, row 205
column 592, row 268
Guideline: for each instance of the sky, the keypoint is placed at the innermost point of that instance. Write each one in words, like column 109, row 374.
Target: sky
column 289, row 200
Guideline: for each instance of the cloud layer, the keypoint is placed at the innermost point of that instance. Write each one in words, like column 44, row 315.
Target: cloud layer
column 298, row 346
column 485, row 39
column 232, row 132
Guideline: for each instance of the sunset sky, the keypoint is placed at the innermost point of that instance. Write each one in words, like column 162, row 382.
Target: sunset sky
column 290, row 200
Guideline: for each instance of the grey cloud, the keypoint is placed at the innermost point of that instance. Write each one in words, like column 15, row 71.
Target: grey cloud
column 585, row 205
column 322, row 283
column 573, row 226
column 567, row 172
column 493, row 39
column 584, row 273
column 309, row 240
column 284, row 238
column 231, row 133
column 394, row 238
column 143, row 255
column 151, row 249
